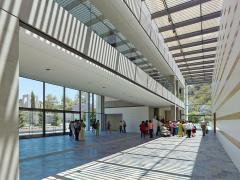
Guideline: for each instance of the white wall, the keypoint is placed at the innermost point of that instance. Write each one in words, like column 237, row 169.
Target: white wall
column 226, row 81
column 132, row 115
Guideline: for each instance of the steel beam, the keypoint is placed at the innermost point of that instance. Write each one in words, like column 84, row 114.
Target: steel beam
column 195, row 58
column 190, row 21
column 197, row 43
column 195, row 52
column 192, row 34
column 197, row 68
column 197, row 72
column 196, row 63
column 178, row 8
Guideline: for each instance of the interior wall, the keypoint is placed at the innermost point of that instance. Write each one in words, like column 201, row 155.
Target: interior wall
column 132, row 115
column 226, row 81
column 114, row 120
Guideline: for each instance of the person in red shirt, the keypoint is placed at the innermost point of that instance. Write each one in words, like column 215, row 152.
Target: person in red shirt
column 142, row 129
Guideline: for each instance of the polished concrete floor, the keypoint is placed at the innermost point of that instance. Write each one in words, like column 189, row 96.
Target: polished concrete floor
column 125, row 156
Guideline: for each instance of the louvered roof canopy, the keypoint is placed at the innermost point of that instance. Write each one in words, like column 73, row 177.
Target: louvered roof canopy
column 190, row 29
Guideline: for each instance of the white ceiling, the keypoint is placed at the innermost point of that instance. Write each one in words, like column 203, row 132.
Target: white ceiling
column 36, row 54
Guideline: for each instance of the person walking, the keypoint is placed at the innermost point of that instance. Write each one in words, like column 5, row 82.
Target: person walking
column 188, row 127
column 82, row 130
column 109, row 127
column 124, row 126
column 97, row 128
column 121, row 126
column 76, row 129
column 142, row 129
column 203, row 126
column 150, row 125
column 146, row 127
column 159, row 126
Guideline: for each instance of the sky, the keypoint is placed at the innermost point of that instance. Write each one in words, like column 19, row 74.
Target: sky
column 26, row 86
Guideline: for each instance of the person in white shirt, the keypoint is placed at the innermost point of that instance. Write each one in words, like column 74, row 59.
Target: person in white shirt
column 188, row 127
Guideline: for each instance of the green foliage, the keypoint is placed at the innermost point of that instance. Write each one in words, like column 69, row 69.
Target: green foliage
column 56, row 120
column 51, row 102
column 40, row 119
column 199, row 99
column 22, row 120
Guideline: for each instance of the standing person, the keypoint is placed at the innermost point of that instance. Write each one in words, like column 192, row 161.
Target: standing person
column 94, row 126
column 150, row 125
column 121, row 126
column 193, row 130
column 159, row 126
column 142, row 129
column 180, row 129
column 171, row 127
column 203, row 126
column 71, row 132
column 82, row 131
column 188, row 127
column 184, row 131
column 109, row 127
column 76, row 129
column 146, row 127
column 174, row 128
column 124, row 126
column 97, row 128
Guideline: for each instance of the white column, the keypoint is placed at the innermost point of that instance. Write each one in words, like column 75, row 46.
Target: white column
column 99, row 110
column 9, row 74
column 186, row 103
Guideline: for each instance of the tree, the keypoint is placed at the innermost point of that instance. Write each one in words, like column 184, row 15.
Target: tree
column 68, row 103
column 40, row 119
column 199, row 101
column 33, row 98
column 51, row 102
column 56, row 120
column 22, row 120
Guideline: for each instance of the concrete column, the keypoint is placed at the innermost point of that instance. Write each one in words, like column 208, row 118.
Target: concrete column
column 99, row 110
column 173, row 113
column 9, row 74
column 186, row 103
column 177, row 88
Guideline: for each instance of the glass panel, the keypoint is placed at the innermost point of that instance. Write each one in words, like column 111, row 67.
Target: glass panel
column 30, row 93
column 54, row 97
column 70, row 117
column 30, row 122
column 71, row 99
column 91, row 102
column 84, row 101
column 54, row 122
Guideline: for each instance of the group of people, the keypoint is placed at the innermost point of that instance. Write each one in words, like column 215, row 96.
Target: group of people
column 146, row 128
column 182, row 128
column 77, row 130
column 96, row 127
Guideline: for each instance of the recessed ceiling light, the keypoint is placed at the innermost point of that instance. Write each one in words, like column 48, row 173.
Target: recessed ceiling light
column 48, row 69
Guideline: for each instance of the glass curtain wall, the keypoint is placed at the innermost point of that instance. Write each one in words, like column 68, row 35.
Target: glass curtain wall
column 46, row 109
